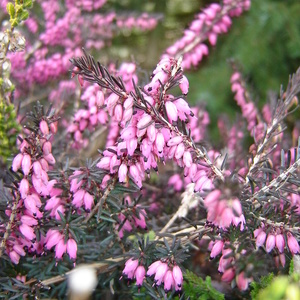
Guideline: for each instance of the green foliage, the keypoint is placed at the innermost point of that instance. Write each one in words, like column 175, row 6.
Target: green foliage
column 278, row 288
column 18, row 11
column 256, row 287
column 265, row 41
column 196, row 288
column 9, row 127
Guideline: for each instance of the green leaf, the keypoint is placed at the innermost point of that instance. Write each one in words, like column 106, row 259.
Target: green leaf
column 196, row 288
column 24, row 16
column 11, row 10
column 27, row 3
column 263, row 283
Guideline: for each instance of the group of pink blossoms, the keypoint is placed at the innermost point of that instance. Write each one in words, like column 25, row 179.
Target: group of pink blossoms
column 171, row 277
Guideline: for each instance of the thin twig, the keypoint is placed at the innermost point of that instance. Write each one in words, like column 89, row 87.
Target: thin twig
column 101, row 201
column 9, row 225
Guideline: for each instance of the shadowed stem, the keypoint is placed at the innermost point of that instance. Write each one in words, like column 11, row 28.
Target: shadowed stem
column 102, row 200
column 9, row 225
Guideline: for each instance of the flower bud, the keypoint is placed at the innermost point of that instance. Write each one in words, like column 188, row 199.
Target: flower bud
column 44, row 127
column 26, row 164
column 17, row 162
column 47, row 148
column 72, row 248
column 184, row 85
column 171, row 111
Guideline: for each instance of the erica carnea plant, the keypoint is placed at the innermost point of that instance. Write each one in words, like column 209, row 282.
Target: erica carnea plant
column 158, row 202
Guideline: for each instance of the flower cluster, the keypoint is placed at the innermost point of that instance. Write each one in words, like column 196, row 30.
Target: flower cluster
column 134, row 270
column 249, row 110
column 213, row 21
column 275, row 239
column 243, row 211
column 136, row 218
column 171, row 277
column 36, row 194
column 223, row 212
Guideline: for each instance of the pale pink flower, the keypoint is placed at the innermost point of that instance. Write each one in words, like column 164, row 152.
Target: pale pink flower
column 130, row 267
column 19, row 249
column 140, row 275
column 174, row 141
column 228, row 275
column 44, row 127
column 260, row 239
column 171, row 111
column 26, row 164
column 216, row 249
column 37, row 169
column 282, row 259
column 160, row 273
column 168, row 280
column 280, row 243
column 60, row 249
column 178, row 278
column 72, row 248
column 242, row 282
column 24, row 188
column 184, row 85
column 52, row 238
column 17, row 162
column 144, row 122
column 14, row 257
column 78, row 198
column 50, row 158
column 270, row 243
column 187, row 159
column 160, row 142
column 153, row 267
column 47, row 148
column 293, row 244
column 88, row 200
column 27, row 231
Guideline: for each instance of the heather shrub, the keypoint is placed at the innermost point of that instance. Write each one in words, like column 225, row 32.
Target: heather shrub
column 113, row 184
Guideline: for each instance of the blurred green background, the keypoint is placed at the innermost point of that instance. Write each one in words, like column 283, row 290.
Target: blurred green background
column 265, row 42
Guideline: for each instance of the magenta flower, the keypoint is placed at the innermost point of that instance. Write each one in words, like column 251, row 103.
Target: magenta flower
column 140, row 275
column 216, row 249
column 14, row 257
column 242, row 282
column 178, row 278
column 26, row 164
column 130, row 267
column 270, row 243
column 52, row 238
column 37, row 169
column 72, row 248
column 171, row 111
column 280, row 243
column 27, row 231
column 44, row 127
column 260, row 239
column 228, row 275
column 78, row 198
column 184, row 85
column 160, row 273
column 24, row 188
column 17, row 162
column 293, row 244
column 153, row 267
column 168, row 280
column 60, row 249
column 88, row 200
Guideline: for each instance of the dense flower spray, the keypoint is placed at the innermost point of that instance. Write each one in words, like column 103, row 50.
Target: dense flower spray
column 158, row 189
